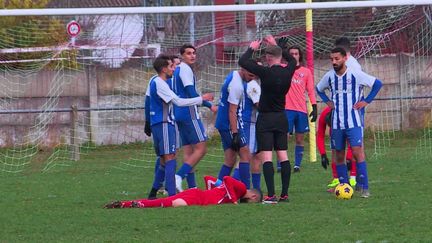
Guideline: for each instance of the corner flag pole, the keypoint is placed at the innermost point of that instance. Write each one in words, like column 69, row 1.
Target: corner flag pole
column 310, row 65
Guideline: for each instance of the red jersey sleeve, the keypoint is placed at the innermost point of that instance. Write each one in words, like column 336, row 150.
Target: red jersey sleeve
column 320, row 137
column 209, row 182
column 235, row 189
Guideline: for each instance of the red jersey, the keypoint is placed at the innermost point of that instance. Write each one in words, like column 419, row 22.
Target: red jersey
column 301, row 82
column 230, row 191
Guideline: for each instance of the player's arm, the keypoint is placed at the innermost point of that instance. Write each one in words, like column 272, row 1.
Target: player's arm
column 250, row 65
column 321, row 131
column 311, row 93
column 322, row 85
column 209, row 182
column 187, row 77
column 168, row 95
column 235, row 189
column 368, row 80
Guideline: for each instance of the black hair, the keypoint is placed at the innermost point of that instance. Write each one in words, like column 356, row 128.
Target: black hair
column 299, row 50
column 344, row 43
column 160, row 62
column 184, row 47
column 339, row 50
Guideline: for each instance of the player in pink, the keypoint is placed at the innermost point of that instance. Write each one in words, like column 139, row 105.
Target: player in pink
column 295, row 104
column 230, row 191
column 324, row 121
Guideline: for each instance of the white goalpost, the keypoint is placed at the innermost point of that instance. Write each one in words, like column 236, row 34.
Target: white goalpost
column 60, row 99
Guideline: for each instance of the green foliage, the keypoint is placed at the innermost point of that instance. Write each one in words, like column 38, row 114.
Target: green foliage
column 64, row 204
column 29, row 31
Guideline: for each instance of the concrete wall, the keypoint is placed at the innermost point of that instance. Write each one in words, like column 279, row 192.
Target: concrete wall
column 96, row 87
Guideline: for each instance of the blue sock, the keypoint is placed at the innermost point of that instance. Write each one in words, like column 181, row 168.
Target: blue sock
column 184, row 170
column 236, row 174
column 342, row 172
column 244, row 169
column 159, row 177
column 256, row 181
column 298, row 155
column 362, row 174
column 224, row 171
column 170, row 167
column 190, row 178
column 157, row 163
column 278, row 165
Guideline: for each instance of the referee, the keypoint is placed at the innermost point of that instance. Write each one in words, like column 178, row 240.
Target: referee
column 272, row 125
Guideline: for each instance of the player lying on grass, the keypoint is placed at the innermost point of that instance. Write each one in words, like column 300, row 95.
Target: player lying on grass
column 230, row 191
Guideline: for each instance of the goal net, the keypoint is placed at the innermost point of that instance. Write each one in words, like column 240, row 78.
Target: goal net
column 62, row 97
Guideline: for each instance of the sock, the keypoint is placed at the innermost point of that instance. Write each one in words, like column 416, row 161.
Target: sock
column 244, row 169
column 184, row 170
column 236, row 174
column 298, row 155
column 152, row 194
column 362, row 174
column 159, row 177
column 353, row 171
column 190, row 178
column 144, row 203
column 285, row 176
column 278, row 165
column 334, row 172
column 157, row 163
column 268, row 171
column 224, row 171
column 170, row 186
column 342, row 172
column 256, row 181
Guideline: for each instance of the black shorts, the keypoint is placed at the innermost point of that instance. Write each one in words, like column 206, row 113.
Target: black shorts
column 271, row 131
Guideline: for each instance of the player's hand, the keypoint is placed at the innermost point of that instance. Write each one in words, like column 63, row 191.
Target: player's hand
column 324, row 161
column 270, row 40
column 314, row 113
column 254, row 45
column 330, row 104
column 208, row 97
column 360, row 104
column 214, row 108
column 147, row 128
column 235, row 142
column 282, row 42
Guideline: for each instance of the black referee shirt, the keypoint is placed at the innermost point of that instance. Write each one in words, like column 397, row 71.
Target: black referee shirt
column 275, row 80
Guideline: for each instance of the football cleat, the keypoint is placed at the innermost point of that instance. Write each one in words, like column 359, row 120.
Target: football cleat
column 284, row 198
column 333, row 183
column 353, row 182
column 364, row 193
column 270, row 200
column 296, row 169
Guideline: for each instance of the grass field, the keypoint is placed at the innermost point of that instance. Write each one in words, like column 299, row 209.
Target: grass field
column 64, row 204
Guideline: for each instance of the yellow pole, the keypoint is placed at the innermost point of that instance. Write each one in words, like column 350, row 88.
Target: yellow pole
column 310, row 65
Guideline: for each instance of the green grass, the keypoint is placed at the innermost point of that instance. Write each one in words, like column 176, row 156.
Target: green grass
column 64, row 204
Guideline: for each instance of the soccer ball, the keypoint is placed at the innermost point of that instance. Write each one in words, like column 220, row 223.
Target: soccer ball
column 344, row 191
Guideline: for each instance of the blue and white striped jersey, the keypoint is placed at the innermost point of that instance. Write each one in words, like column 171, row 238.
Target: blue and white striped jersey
column 232, row 92
column 346, row 90
column 161, row 107
column 183, row 77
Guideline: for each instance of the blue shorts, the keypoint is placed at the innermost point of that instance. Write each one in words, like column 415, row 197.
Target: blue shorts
column 226, row 138
column 339, row 137
column 297, row 121
column 250, row 135
column 164, row 138
column 191, row 132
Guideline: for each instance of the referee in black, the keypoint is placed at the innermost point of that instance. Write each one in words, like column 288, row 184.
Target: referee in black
column 272, row 125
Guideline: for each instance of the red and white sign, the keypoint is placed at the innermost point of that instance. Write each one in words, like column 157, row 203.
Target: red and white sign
column 73, row 28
